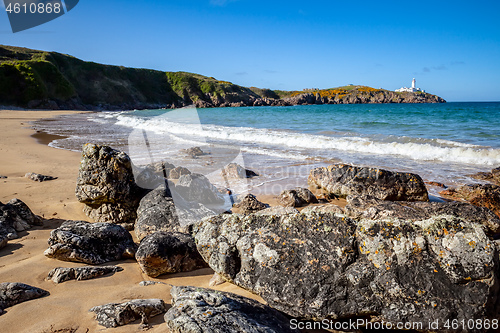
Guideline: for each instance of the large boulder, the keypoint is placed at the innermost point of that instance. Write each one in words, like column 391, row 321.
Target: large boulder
column 236, row 171
column 90, row 243
column 482, row 195
column 15, row 216
column 119, row 314
column 166, row 210
column 197, row 188
column 106, row 185
column 366, row 207
column 62, row 274
column 326, row 265
column 250, row 204
column 342, row 180
column 200, row 310
column 168, row 252
column 297, row 198
column 14, row 293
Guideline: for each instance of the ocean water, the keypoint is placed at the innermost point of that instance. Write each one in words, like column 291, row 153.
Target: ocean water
column 440, row 142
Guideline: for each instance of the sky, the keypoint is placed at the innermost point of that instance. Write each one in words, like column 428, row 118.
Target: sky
column 451, row 48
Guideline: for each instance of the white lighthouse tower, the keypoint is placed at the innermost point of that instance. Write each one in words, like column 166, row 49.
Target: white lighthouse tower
column 412, row 89
column 413, row 84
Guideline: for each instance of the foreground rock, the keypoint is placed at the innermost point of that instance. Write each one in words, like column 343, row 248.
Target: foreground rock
column 343, row 180
column 236, row 171
column 119, row 314
column 159, row 211
column 106, row 185
column 90, row 243
column 15, row 216
column 14, row 293
column 38, row 177
column 325, row 265
column 482, row 195
column 250, row 204
column 366, row 207
column 493, row 176
column 200, row 310
column 193, row 152
column 168, row 252
column 297, row 198
column 62, row 274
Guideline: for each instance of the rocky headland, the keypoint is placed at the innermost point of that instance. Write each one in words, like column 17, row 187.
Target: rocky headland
column 49, row 80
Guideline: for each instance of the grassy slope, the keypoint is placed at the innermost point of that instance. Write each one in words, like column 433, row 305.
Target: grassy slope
column 30, row 78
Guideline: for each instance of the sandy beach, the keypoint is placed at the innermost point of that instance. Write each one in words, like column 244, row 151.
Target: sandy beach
column 22, row 260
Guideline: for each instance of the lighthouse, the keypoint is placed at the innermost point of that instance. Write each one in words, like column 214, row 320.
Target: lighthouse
column 413, row 84
column 412, row 89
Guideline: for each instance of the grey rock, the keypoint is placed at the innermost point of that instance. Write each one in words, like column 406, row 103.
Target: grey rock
column 323, row 265
column 200, row 310
column 178, row 172
column 197, row 188
column 492, row 176
column 15, row 216
column 296, row 198
column 106, row 185
column 325, row 208
column 152, row 175
column 366, row 207
column 193, row 152
column 38, row 177
column 62, row 274
column 90, row 243
column 236, row 171
column 119, row 314
column 343, row 180
column 250, row 204
column 159, row 211
column 15, row 293
column 168, row 252
column 150, row 283
column 276, row 211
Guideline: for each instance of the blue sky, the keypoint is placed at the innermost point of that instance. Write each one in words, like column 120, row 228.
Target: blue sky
column 452, row 48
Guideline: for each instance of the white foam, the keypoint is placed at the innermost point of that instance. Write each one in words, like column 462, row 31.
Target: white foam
column 420, row 149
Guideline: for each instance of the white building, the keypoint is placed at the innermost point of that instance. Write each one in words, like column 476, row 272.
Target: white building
column 412, row 89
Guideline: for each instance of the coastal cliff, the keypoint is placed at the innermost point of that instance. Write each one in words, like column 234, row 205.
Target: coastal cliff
column 50, row 80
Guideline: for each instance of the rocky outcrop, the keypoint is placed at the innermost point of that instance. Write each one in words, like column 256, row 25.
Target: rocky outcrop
column 325, row 265
column 482, row 195
column 159, row 211
column 366, row 207
column 15, row 216
column 342, row 180
column 197, row 188
column 106, row 186
column 90, row 243
column 119, row 314
column 236, row 171
column 38, row 177
column 297, row 198
column 250, row 204
column 324, row 208
column 15, row 293
column 62, row 274
column 178, row 172
column 200, row 310
column 493, row 176
column 152, row 175
column 168, row 252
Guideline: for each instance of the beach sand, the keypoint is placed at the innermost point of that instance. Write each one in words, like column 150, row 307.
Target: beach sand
column 22, row 260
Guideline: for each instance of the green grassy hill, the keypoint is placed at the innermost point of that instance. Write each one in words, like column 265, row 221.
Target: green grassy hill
column 50, row 80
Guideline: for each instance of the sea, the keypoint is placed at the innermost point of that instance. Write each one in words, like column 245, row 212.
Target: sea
column 444, row 143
